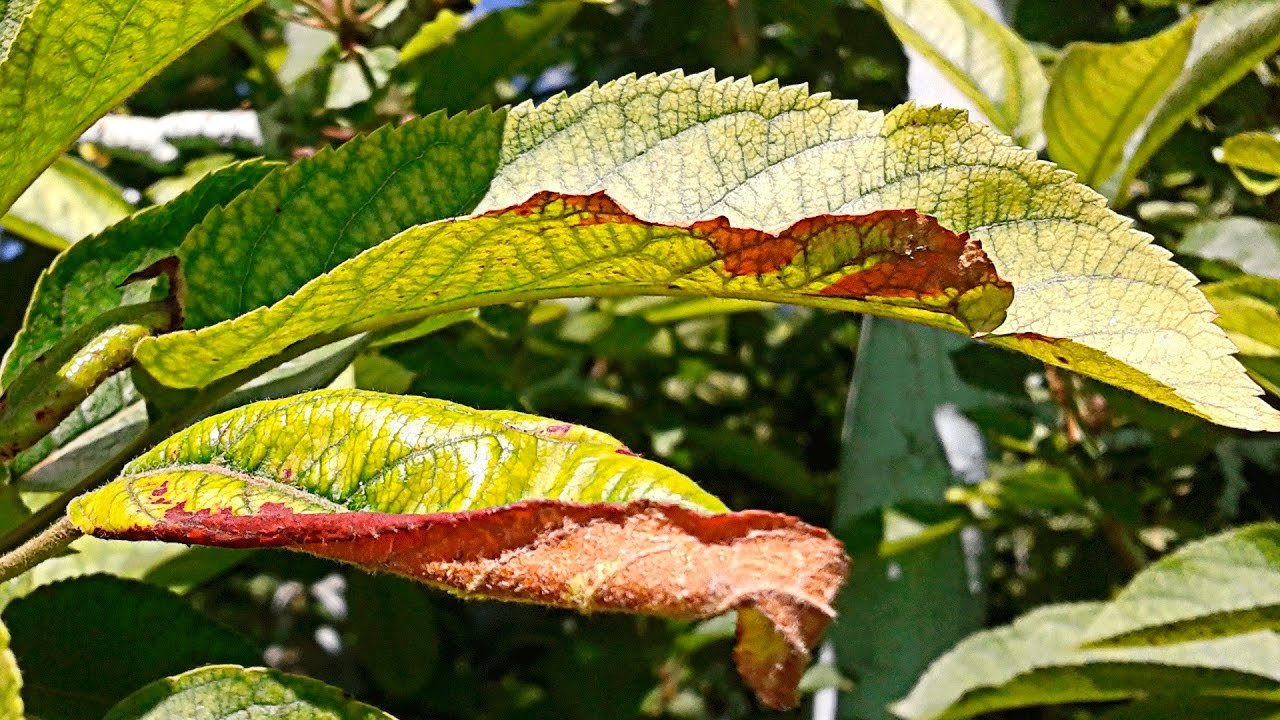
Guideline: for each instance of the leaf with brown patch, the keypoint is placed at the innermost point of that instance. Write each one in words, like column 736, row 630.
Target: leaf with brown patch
column 494, row 504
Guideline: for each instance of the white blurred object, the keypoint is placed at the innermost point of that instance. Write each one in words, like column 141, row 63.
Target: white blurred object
column 154, row 137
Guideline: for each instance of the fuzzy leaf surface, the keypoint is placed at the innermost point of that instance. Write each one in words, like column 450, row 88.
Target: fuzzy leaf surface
column 1101, row 93
column 1225, row 585
column 228, row 692
column 1090, row 293
column 1035, row 661
column 982, row 57
column 71, row 61
column 493, row 504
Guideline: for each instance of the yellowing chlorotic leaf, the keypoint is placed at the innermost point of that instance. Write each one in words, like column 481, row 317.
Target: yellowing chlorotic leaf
column 230, row 692
column 1254, row 158
column 1037, row 661
column 1101, row 93
column 893, row 262
column 71, row 61
column 69, row 201
column 1232, row 37
column 491, row 504
column 10, row 679
column 1089, row 293
column 1228, row 584
column 981, row 56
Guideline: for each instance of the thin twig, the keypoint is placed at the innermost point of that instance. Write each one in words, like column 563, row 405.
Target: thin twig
column 53, row 540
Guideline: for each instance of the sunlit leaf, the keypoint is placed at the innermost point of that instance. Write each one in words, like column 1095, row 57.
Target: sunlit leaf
column 1249, row 310
column 67, row 202
column 1231, row 38
column 1035, row 661
column 71, row 62
column 10, row 679
column 1254, row 158
column 228, row 692
column 1100, row 94
column 484, row 504
column 982, row 57
column 1226, row 585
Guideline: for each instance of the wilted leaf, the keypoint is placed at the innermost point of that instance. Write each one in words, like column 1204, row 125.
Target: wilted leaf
column 1034, row 661
column 85, row 644
column 1232, row 37
column 61, row 73
column 484, row 504
column 67, row 202
column 1100, row 94
column 570, row 246
column 1225, row 585
column 982, row 57
column 1254, row 158
column 228, row 692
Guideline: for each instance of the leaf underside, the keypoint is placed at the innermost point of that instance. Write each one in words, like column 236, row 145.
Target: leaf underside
column 484, row 504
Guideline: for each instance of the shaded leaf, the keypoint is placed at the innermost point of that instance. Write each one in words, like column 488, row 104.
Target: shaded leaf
column 85, row 644
column 982, row 57
column 67, row 202
column 1100, row 94
column 71, row 62
column 224, row 692
column 1251, row 244
column 396, row 634
column 484, row 504
column 1254, row 158
column 1034, row 661
column 1232, row 37
column 459, row 72
column 1224, row 585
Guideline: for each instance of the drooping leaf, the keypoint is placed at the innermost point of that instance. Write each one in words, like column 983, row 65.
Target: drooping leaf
column 557, row 246
column 1100, row 94
column 459, row 73
column 228, row 692
column 1254, row 158
column 73, row 60
column 1231, row 38
column 67, row 202
column 1090, row 293
column 1228, row 584
column 899, row 613
column 84, row 282
column 1035, row 661
column 1250, row 243
column 983, row 58
column 485, row 504
column 85, row 644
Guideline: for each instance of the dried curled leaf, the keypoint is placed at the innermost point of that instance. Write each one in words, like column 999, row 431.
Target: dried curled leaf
column 495, row 505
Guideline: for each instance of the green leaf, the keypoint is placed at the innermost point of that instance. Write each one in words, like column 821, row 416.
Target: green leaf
column 1251, row 244
column 1232, row 37
column 226, row 692
column 1034, row 661
column 84, row 282
column 983, row 58
column 10, row 677
column 1100, row 94
column 558, row 246
column 900, row 612
column 1090, row 293
column 1249, row 310
column 494, row 504
column 459, row 73
column 67, row 202
column 432, row 35
column 1254, row 158
column 395, row 632
column 73, row 60
column 1225, row 585
column 85, row 644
